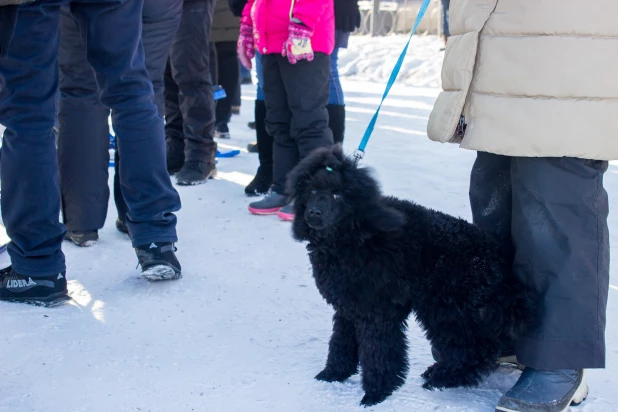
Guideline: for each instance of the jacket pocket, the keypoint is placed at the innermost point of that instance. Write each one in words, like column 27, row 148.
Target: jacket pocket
column 446, row 122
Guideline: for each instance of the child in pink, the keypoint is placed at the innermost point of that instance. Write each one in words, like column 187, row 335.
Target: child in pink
column 295, row 38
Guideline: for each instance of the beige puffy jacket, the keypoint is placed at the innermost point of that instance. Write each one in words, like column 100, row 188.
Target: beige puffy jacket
column 531, row 78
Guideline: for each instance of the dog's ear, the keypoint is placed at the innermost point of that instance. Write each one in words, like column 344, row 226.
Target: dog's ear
column 300, row 228
column 385, row 219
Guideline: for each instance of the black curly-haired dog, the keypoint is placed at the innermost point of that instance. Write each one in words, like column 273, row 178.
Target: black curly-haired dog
column 376, row 259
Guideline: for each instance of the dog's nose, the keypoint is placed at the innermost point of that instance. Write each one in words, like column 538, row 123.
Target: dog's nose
column 315, row 212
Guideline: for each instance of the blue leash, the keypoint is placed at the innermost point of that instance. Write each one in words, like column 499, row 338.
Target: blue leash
column 360, row 152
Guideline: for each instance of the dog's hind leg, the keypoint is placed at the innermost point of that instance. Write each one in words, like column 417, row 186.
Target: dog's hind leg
column 342, row 359
column 383, row 358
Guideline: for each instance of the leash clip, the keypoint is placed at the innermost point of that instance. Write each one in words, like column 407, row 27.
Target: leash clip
column 358, row 156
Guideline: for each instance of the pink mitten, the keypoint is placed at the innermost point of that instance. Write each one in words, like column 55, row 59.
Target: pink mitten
column 246, row 46
column 298, row 45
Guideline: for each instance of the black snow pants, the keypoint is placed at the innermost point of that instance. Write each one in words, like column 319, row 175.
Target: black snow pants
column 551, row 215
column 296, row 96
column 189, row 101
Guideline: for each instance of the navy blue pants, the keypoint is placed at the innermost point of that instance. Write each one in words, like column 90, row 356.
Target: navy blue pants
column 29, row 167
column 551, row 216
column 83, row 138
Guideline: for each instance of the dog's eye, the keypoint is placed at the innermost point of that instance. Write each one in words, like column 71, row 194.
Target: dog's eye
column 336, row 196
column 314, row 192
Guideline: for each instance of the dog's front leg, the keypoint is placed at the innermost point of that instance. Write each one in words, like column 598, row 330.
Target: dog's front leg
column 342, row 359
column 383, row 358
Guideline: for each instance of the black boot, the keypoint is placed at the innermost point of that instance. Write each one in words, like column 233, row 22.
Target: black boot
column 175, row 149
column 264, row 177
column 252, row 147
column 83, row 239
column 336, row 121
column 45, row 291
column 260, row 184
column 200, row 164
column 158, row 261
column 196, row 173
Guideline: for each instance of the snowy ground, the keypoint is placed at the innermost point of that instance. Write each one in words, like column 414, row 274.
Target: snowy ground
column 245, row 329
column 372, row 59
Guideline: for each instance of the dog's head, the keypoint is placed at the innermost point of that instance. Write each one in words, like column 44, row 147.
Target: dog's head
column 331, row 193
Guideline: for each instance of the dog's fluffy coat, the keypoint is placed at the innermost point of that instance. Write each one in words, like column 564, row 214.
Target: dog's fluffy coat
column 376, row 259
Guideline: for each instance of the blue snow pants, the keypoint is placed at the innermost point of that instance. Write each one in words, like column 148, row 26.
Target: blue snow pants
column 28, row 98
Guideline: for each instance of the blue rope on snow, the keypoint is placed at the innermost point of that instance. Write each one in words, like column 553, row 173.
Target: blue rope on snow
column 360, row 152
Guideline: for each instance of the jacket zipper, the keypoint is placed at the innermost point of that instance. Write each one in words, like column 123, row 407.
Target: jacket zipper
column 461, row 127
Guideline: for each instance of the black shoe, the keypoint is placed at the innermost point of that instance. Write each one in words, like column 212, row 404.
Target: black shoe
column 48, row 291
column 252, row 147
column 545, row 391
column 175, row 149
column 222, row 131
column 251, row 125
column 260, row 184
column 83, row 239
column 236, row 110
column 246, row 80
column 196, row 173
column 158, row 261
column 122, row 226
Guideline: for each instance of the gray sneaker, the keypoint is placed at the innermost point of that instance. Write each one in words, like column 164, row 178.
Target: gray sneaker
column 545, row 391
column 269, row 205
column 286, row 212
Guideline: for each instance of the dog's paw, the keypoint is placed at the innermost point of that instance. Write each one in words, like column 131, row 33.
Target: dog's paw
column 331, row 376
column 373, row 398
column 429, row 386
column 427, row 374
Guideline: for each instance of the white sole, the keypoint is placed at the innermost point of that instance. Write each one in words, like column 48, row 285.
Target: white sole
column 160, row 272
column 578, row 397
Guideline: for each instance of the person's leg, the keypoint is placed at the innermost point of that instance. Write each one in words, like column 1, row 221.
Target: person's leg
column 285, row 151
column 263, row 179
column 279, row 120
column 190, row 66
column 174, row 135
column 113, row 33
column 29, row 166
column 307, row 88
column 229, row 78
column 160, row 21
column 83, row 138
column 336, row 102
column 446, row 33
column 560, row 236
column 561, row 243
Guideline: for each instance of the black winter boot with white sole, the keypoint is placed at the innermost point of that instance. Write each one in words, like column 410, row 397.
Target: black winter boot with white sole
column 158, row 261
column 545, row 391
column 47, row 291
column 196, row 173
column 83, row 239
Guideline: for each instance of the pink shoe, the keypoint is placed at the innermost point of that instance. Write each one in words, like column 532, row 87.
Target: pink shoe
column 286, row 213
column 269, row 205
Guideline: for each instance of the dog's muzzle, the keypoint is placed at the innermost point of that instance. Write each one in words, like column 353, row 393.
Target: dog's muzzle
column 314, row 218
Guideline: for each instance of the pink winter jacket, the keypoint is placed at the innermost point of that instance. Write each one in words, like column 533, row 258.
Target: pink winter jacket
column 270, row 20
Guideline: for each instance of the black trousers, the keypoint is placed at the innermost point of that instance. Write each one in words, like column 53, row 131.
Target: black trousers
column 551, row 216
column 228, row 76
column 189, row 102
column 83, row 140
column 296, row 96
